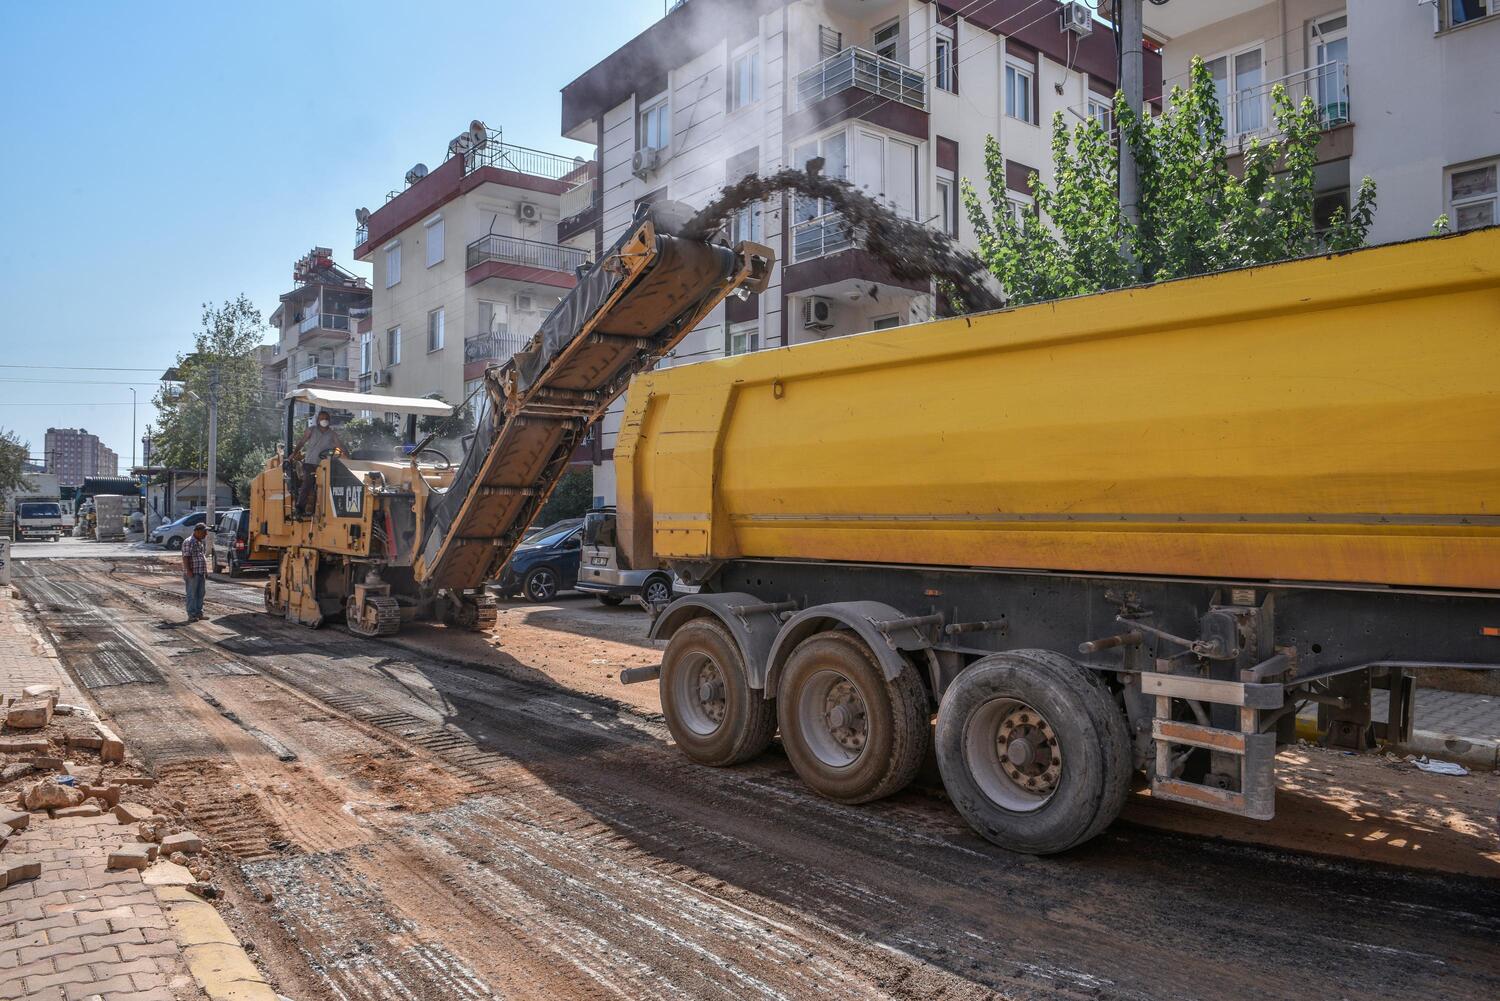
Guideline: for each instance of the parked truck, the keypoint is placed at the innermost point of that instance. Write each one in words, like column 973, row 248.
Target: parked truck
column 35, row 510
column 1134, row 531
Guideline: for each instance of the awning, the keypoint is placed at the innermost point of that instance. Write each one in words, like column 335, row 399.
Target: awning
column 343, row 400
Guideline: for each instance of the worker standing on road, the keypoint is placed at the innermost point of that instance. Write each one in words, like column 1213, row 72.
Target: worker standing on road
column 320, row 438
column 195, row 570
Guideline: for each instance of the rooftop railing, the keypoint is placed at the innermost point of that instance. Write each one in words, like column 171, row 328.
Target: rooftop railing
column 519, row 159
column 532, row 253
column 863, row 70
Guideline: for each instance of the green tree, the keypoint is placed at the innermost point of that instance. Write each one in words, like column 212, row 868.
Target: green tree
column 13, row 455
column 223, row 355
column 450, row 428
column 572, row 497
column 1196, row 216
column 370, row 439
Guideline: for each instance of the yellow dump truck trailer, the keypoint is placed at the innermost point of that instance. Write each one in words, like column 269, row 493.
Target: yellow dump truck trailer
column 1129, row 530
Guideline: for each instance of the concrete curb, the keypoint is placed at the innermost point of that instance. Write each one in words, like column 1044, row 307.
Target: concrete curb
column 212, row 952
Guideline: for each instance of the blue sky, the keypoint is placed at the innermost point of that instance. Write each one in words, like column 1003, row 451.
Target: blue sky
column 161, row 155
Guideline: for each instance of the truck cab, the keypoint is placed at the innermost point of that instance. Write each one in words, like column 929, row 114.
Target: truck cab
column 39, row 519
column 605, row 572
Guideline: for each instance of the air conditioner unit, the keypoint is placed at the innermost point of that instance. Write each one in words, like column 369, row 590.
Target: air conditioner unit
column 1077, row 18
column 528, row 212
column 382, row 377
column 525, row 301
column 817, row 313
column 645, row 161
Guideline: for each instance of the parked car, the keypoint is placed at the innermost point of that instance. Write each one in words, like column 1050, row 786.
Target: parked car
column 546, row 565
column 232, row 545
column 174, row 533
column 603, row 574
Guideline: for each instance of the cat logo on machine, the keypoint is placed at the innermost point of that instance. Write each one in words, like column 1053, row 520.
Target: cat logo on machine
column 348, row 492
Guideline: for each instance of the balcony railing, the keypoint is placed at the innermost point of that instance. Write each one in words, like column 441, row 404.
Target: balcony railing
column 1248, row 113
column 366, row 381
column 519, row 159
column 361, row 235
column 827, row 234
column 311, row 372
column 327, row 321
column 577, row 199
column 491, row 347
column 532, row 253
column 863, row 70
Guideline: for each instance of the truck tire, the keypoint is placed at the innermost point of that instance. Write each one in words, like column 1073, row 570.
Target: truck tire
column 1033, row 751
column 714, row 715
column 851, row 734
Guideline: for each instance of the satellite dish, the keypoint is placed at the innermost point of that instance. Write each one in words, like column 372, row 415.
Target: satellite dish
column 416, row 173
column 361, row 215
column 459, row 144
column 479, row 134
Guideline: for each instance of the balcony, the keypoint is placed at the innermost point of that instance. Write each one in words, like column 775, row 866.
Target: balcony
column 827, row 234
column 861, row 69
column 577, row 199
column 520, row 160
column 361, row 234
column 337, row 323
column 323, row 373
column 491, row 347
column 526, row 253
column 1248, row 113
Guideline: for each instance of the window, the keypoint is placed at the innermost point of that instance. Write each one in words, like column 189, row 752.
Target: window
column 434, row 240
column 1472, row 196
column 435, row 330
column 885, row 322
column 887, row 169
column 392, row 263
column 1330, row 59
column 743, row 338
column 652, row 128
column 393, row 418
column 393, row 346
column 947, row 206
column 945, row 61
column 1019, row 81
column 1458, row 12
column 1019, row 207
column 494, row 318
column 744, row 79
column 746, row 225
column 1247, row 111
column 1102, row 111
column 887, row 39
column 366, row 351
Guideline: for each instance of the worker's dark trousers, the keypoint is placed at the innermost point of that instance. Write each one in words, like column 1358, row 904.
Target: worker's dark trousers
column 197, row 584
column 305, row 492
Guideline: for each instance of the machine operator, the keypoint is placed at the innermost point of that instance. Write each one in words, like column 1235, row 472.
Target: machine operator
column 319, row 439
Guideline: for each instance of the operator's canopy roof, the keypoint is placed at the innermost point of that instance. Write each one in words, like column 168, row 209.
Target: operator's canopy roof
column 338, row 399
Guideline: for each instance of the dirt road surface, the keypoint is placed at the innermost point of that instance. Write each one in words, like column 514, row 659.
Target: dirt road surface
column 430, row 818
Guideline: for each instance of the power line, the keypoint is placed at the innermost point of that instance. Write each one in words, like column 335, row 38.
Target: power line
column 89, row 368
column 76, row 382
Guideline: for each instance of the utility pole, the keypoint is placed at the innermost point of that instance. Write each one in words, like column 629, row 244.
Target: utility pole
column 1133, row 86
column 213, row 444
column 132, row 427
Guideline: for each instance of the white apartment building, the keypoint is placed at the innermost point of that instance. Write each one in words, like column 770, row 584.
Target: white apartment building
column 314, row 324
column 895, row 95
column 467, row 262
column 1406, row 87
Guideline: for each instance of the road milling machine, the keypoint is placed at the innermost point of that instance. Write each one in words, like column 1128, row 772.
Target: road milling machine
column 419, row 535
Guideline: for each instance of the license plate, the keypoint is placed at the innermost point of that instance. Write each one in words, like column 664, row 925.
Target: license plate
column 599, row 561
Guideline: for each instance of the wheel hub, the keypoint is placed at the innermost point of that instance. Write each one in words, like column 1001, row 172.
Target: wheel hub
column 845, row 714
column 711, row 691
column 1028, row 751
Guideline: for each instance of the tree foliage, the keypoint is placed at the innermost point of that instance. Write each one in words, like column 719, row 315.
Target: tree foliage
column 1196, row 216
column 223, row 355
column 370, row 439
column 572, row 498
column 13, row 456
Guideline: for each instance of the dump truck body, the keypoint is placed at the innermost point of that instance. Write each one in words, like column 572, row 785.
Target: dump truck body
column 1225, row 496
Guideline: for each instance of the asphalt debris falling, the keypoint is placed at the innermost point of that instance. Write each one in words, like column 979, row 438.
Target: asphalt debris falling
column 909, row 250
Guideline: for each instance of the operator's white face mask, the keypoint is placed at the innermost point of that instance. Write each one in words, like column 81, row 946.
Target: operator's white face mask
column 322, row 424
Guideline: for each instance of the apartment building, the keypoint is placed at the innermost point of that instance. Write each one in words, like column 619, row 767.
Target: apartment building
column 314, row 323
column 896, row 96
column 467, row 262
column 1406, row 89
column 72, row 453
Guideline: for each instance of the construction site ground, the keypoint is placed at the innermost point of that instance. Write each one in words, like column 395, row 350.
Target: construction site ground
column 451, row 815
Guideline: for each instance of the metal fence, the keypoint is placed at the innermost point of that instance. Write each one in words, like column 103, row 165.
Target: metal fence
column 532, row 253
column 1248, row 113
column 864, row 70
column 491, row 347
column 521, row 160
column 827, row 234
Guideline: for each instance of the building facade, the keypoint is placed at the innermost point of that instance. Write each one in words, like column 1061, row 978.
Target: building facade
column 72, row 454
column 467, row 262
column 896, row 96
column 1406, row 90
column 315, row 326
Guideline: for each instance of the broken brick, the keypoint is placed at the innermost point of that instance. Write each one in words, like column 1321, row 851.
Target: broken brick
column 45, row 761
column 81, row 810
column 187, row 842
column 109, row 793
column 15, row 819
column 23, row 745
column 41, row 692
column 144, row 781
column 24, row 869
column 112, row 748
column 89, row 742
column 29, row 714
column 168, row 874
column 130, row 857
column 129, row 813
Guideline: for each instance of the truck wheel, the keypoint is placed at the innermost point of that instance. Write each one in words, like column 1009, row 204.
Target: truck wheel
column 1033, row 750
column 851, row 734
column 712, row 712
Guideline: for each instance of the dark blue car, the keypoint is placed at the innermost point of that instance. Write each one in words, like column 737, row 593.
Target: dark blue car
column 545, row 563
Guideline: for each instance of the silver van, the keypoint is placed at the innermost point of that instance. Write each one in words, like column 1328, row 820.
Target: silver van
column 601, row 574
